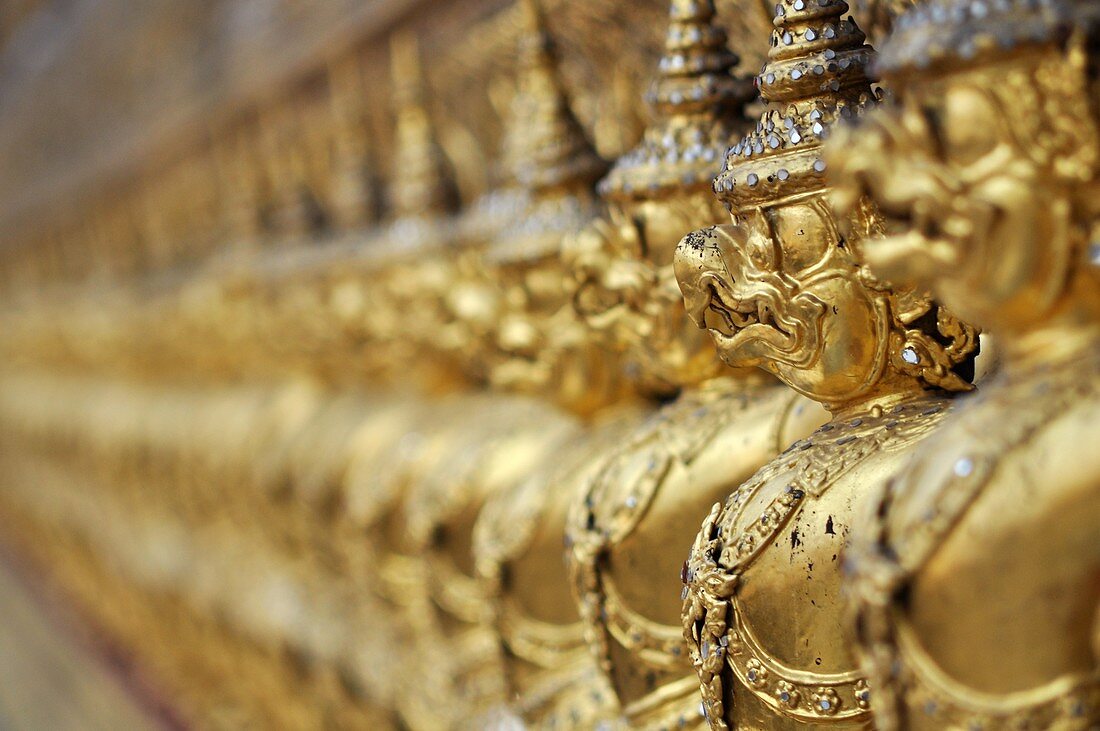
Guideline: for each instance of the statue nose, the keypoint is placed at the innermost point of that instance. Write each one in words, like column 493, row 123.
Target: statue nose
column 691, row 246
column 689, row 264
column 699, row 261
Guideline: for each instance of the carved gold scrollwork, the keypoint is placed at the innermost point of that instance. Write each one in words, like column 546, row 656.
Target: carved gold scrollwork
column 713, row 625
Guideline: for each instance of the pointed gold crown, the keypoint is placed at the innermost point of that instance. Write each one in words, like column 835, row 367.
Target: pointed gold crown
column 698, row 109
column 816, row 74
column 353, row 197
column 547, row 151
column 423, row 182
column 288, row 169
column 944, row 32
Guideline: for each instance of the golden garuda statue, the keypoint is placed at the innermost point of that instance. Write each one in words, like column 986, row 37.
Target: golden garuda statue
column 549, row 364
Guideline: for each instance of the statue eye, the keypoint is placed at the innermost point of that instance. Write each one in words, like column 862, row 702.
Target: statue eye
column 804, row 235
column 638, row 227
column 933, row 128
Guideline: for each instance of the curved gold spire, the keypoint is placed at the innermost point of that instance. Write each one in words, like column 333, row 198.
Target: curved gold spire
column 945, row 32
column 698, row 108
column 548, row 148
column 423, row 182
column 353, row 197
column 817, row 72
column 546, row 151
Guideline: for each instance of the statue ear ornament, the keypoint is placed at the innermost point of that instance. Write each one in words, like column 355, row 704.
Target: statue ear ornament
column 927, row 342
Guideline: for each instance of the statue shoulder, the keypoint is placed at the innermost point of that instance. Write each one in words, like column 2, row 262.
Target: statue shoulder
column 703, row 444
column 509, row 519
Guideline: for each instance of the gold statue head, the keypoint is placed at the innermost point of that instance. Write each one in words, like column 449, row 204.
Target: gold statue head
column 626, row 287
column 538, row 343
column 985, row 163
column 784, row 288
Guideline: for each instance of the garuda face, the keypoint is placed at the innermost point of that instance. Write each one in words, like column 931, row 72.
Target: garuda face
column 531, row 299
column 539, row 345
column 975, row 171
column 625, row 289
column 782, row 291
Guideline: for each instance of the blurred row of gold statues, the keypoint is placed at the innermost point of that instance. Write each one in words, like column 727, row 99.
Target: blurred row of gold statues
column 447, row 469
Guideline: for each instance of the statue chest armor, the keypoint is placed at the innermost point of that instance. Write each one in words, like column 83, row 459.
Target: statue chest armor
column 990, row 515
column 444, row 502
column 643, row 504
column 762, row 614
column 519, row 551
column 377, row 495
column 379, row 498
column 441, row 508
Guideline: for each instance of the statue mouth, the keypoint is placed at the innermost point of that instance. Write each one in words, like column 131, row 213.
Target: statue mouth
column 752, row 315
column 921, row 232
column 919, row 217
column 755, row 342
column 923, row 239
column 747, row 329
column 731, row 320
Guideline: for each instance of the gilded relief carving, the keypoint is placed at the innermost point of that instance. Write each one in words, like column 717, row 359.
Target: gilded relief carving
column 544, row 364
